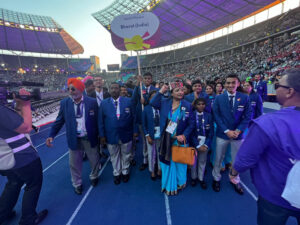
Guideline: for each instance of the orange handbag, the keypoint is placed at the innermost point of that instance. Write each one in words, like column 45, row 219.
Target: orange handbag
column 185, row 155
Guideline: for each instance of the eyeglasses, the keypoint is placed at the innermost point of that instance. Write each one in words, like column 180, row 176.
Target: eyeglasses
column 72, row 89
column 277, row 85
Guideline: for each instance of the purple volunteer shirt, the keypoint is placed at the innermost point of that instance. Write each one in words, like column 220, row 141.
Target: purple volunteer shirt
column 272, row 142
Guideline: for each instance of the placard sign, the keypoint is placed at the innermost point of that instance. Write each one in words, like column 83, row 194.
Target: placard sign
column 133, row 32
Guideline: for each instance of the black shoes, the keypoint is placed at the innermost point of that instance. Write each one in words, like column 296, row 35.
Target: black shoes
column 216, row 186
column 117, row 180
column 94, row 182
column 203, row 185
column 78, row 190
column 143, row 166
column 125, row 178
column 238, row 188
column 103, row 155
column 228, row 166
column 132, row 162
column 41, row 216
column 194, row 182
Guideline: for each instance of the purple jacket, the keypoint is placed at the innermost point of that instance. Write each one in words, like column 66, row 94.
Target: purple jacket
column 273, row 140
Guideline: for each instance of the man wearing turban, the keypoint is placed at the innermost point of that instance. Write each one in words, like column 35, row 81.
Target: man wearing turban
column 80, row 114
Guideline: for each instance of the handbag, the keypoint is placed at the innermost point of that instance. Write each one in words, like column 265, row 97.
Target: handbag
column 185, row 155
column 7, row 159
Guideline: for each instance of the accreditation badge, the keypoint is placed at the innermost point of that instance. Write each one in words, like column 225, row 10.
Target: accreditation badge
column 171, row 127
column 156, row 132
column 201, row 140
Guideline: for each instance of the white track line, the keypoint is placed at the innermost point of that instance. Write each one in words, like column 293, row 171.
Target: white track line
column 54, row 138
column 168, row 211
column 249, row 191
column 85, row 197
column 55, row 161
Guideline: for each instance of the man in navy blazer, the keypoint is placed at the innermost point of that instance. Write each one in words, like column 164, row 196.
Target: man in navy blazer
column 116, row 128
column 138, row 102
column 152, row 132
column 232, row 113
column 80, row 114
column 260, row 87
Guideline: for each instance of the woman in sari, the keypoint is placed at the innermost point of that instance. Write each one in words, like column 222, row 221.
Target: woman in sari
column 177, row 121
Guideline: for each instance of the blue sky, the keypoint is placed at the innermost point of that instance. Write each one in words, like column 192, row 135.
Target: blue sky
column 75, row 17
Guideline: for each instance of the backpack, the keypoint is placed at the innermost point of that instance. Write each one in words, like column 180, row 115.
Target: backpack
column 291, row 191
column 7, row 159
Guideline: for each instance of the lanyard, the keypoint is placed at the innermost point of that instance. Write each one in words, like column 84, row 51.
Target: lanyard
column 198, row 124
column 116, row 107
column 171, row 113
column 156, row 117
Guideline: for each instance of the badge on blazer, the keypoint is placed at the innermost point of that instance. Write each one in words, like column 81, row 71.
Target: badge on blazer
column 240, row 108
column 91, row 113
column 239, row 99
column 127, row 110
column 253, row 103
column 187, row 114
column 183, row 108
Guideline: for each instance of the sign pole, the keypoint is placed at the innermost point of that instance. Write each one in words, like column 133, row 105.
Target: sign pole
column 139, row 73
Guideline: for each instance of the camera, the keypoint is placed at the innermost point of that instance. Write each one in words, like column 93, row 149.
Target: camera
column 9, row 95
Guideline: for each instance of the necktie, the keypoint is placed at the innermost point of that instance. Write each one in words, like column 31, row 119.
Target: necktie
column 200, row 125
column 78, row 111
column 99, row 99
column 156, row 118
column 116, row 104
column 231, row 102
column 256, row 84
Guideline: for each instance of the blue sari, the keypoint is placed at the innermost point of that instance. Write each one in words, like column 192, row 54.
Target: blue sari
column 173, row 175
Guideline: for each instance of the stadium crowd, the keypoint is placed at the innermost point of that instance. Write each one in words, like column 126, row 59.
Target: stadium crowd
column 268, row 58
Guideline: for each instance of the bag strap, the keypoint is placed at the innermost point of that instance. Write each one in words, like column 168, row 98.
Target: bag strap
column 184, row 142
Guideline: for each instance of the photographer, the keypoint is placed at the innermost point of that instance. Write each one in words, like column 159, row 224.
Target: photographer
column 27, row 169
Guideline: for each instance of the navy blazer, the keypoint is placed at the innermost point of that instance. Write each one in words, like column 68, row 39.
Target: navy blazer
column 187, row 122
column 225, row 119
column 208, row 130
column 136, row 98
column 191, row 97
column 112, row 128
column 66, row 116
column 256, row 105
column 262, row 89
column 148, row 121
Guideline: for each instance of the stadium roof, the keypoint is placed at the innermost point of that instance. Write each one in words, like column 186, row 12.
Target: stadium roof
column 28, row 19
column 34, row 33
column 184, row 19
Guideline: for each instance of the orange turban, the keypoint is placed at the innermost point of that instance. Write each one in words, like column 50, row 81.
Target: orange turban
column 78, row 84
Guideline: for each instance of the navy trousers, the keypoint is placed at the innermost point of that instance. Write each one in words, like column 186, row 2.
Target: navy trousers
column 270, row 214
column 32, row 176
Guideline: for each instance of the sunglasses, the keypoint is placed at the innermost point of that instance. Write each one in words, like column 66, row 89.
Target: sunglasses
column 277, row 85
column 72, row 89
